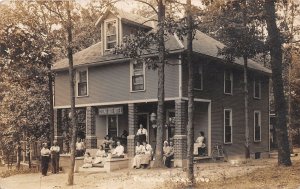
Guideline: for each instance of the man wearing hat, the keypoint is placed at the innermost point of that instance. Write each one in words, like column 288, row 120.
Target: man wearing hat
column 55, row 157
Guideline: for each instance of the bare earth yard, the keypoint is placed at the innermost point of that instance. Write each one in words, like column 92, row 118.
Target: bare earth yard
column 251, row 174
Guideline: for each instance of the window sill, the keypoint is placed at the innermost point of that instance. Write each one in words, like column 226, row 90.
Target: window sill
column 196, row 89
column 257, row 98
column 82, row 96
column 257, row 141
column 227, row 143
column 229, row 94
column 138, row 91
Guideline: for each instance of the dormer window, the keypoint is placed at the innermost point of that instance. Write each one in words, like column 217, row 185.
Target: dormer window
column 111, row 34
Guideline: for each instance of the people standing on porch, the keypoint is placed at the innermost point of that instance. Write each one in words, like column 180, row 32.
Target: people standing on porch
column 139, row 151
column 100, row 156
column 168, row 153
column 146, row 158
column 124, row 134
column 142, row 133
column 45, row 155
column 55, row 149
column 118, row 152
column 80, row 148
column 200, row 143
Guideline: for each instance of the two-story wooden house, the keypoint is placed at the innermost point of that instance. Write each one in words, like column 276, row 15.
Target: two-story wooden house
column 116, row 94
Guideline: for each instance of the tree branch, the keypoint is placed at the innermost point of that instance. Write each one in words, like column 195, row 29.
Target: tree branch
column 151, row 6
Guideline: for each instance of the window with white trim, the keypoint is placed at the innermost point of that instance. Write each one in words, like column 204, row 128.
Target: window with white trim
column 137, row 73
column 227, row 126
column 198, row 77
column 82, row 82
column 257, row 88
column 228, row 82
column 257, row 126
column 111, row 35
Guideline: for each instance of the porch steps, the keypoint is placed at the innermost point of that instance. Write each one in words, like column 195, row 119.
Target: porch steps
column 92, row 170
column 202, row 159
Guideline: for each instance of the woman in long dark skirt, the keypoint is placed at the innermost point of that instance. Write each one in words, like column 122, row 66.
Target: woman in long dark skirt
column 45, row 156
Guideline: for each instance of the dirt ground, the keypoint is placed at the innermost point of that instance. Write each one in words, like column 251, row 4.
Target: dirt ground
column 251, row 174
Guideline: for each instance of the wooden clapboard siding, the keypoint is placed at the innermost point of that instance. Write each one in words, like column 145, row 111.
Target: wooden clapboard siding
column 213, row 89
column 111, row 83
column 260, row 105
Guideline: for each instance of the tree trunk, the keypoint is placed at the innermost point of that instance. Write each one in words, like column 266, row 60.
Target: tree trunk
column 245, row 58
column 50, row 86
column 72, row 97
column 161, row 88
column 190, row 126
column 247, row 135
column 19, row 151
column 280, row 102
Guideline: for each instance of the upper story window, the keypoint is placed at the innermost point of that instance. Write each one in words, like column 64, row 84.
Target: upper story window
column 198, row 85
column 82, row 82
column 227, row 126
column 228, row 82
column 257, row 126
column 111, row 34
column 257, row 88
column 137, row 74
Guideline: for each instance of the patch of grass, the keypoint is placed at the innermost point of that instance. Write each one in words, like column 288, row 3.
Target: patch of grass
column 11, row 172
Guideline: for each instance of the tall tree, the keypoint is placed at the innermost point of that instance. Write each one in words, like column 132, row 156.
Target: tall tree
column 275, row 45
column 139, row 45
column 236, row 24
column 24, row 54
column 190, row 126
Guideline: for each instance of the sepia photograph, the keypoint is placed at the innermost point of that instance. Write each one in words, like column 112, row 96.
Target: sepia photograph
column 149, row 94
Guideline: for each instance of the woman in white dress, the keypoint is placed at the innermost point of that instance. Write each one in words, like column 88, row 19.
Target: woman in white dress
column 87, row 161
column 199, row 143
column 100, row 156
column 147, row 155
column 138, row 155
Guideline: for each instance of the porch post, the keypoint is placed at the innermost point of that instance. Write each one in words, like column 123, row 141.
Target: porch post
column 91, row 138
column 132, row 123
column 58, row 127
column 180, row 138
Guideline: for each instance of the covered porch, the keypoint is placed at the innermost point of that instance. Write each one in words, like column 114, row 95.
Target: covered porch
column 113, row 119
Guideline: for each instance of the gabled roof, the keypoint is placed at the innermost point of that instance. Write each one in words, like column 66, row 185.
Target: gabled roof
column 207, row 45
column 126, row 17
column 92, row 55
column 202, row 44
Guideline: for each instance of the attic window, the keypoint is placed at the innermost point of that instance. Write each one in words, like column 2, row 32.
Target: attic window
column 110, row 34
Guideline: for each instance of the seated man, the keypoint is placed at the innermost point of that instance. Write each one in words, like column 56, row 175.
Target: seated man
column 199, row 145
column 168, row 153
column 118, row 152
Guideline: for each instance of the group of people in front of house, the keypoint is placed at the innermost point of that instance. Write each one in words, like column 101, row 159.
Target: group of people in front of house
column 103, row 154
column 50, row 154
column 110, row 149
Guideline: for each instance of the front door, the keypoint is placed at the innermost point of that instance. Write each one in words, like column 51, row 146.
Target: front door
column 112, row 125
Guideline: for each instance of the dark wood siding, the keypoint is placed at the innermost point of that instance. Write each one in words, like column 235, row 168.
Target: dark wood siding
column 111, row 83
column 213, row 89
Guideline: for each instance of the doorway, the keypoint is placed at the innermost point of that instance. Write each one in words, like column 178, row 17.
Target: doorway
column 143, row 118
